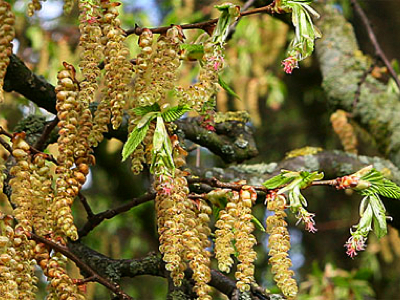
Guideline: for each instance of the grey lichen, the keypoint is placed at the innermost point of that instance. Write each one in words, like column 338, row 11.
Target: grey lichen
column 343, row 65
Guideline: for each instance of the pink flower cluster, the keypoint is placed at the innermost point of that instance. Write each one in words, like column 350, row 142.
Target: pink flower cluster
column 307, row 218
column 289, row 64
column 355, row 243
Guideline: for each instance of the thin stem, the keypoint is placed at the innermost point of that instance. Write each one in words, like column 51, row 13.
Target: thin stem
column 372, row 37
column 45, row 135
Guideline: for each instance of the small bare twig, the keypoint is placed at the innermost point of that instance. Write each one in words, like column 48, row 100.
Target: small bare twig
column 95, row 220
column 93, row 275
column 86, row 205
column 45, row 135
column 372, row 37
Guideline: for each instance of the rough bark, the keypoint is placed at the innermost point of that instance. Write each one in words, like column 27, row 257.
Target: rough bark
column 342, row 66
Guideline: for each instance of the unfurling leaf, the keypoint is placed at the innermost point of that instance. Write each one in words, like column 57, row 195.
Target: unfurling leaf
column 174, row 113
column 134, row 139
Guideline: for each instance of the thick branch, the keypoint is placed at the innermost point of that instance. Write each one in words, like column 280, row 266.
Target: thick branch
column 342, row 68
column 233, row 141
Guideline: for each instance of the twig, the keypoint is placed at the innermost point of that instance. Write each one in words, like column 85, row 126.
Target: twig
column 45, row 135
column 95, row 277
column 86, row 205
column 378, row 50
column 205, row 25
column 95, row 220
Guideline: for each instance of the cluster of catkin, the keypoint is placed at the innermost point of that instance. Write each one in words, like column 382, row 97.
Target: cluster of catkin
column 7, row 20
column 35, row 210
column 118, row 72
column 279, row 245
column 234, row 236
column 183, row 226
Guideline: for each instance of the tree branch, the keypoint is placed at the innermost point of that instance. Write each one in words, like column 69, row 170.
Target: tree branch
column 224, row 142
column 94, row 220
column 95, row 276
column 205, row 25
column 377, row 108
column 372, row 37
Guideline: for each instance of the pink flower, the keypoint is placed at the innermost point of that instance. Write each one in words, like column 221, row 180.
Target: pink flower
column 307, row 218
column 355, row 243
column 310, row 227
column 289, row 64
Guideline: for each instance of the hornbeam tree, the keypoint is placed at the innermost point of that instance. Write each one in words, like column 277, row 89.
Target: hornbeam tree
column 131, row 120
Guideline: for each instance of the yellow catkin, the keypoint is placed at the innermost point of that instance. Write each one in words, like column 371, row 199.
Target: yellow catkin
column 61, row 285
column 224, row 234
column 170, row 198
column 195, row 241
column 199, row 94
column 8, row 284
column 279, row 245
column 142, row 93
column 42, row 195
column 67, row 186
column 245, row 241
column 22, row 196
column 344, row 130
column 117, row 65
column 7, row 34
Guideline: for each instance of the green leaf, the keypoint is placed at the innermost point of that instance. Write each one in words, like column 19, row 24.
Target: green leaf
column 174, row 113
column 229, row 14
column 365, row 222
column 134, row 139
column 143, row 110
column 147, row 118
column 227, row 88
column 276, row 181
column 380, row 224
column 380, row 185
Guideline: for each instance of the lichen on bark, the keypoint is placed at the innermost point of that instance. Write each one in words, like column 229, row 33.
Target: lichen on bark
column 342, row 66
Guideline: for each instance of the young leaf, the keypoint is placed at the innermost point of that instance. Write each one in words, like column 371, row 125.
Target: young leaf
column 134, row 139
column 229, row 14
column 276, row 181
column 380, row 226
column 174, row 113
column 227, row 88
column 143, row 110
